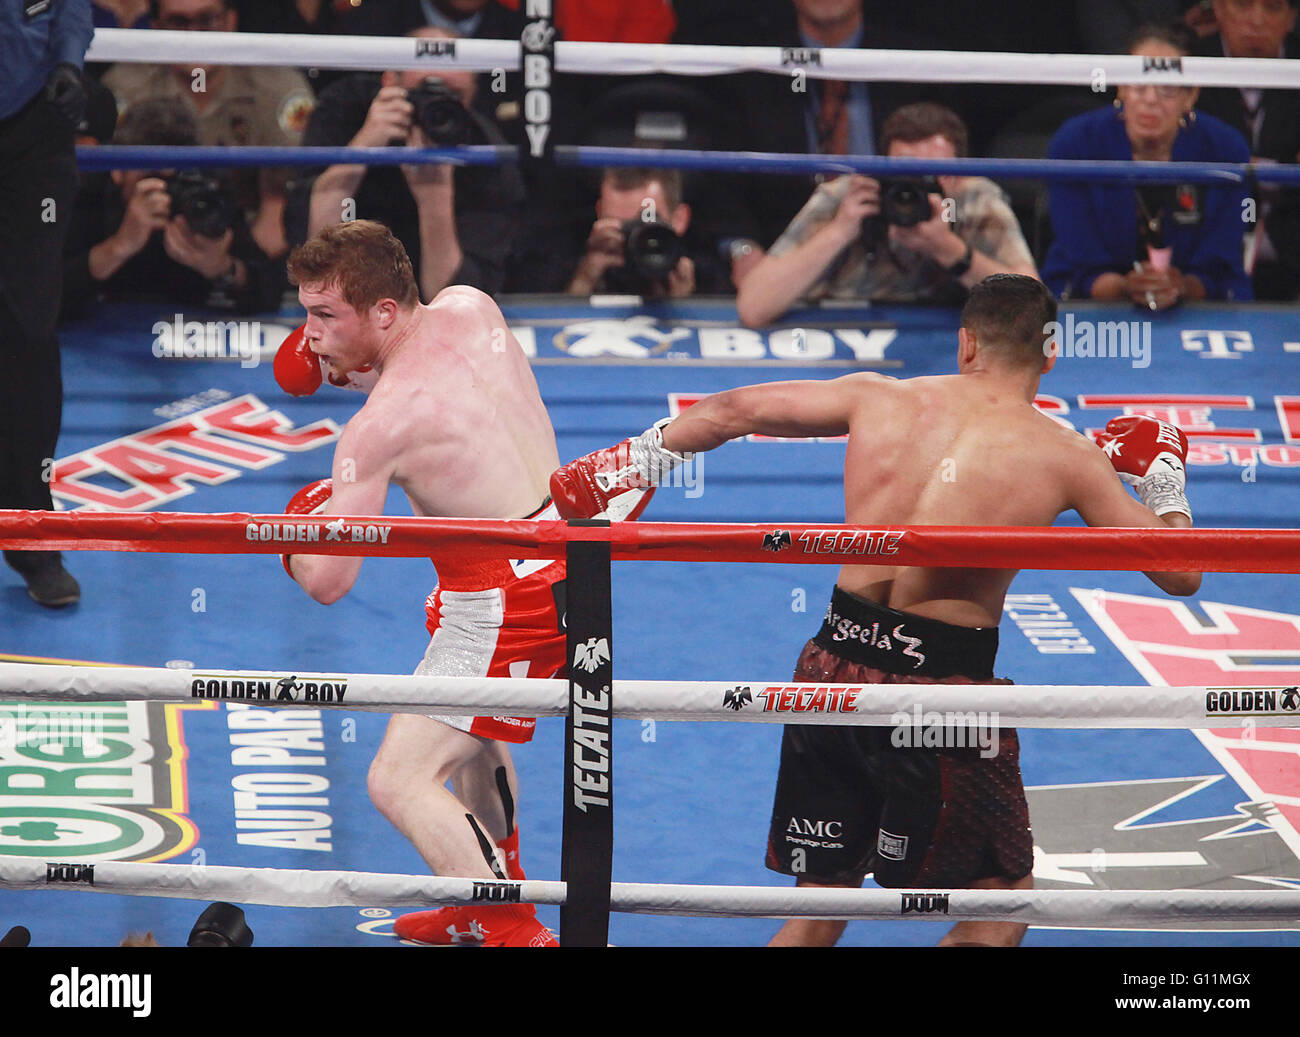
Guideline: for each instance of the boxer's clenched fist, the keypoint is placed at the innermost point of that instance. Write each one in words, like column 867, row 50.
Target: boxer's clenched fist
column 1151, row 456
column 615, row 483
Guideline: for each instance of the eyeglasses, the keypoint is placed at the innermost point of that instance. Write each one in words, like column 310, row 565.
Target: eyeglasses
column 1165, row 93
column 203, row 22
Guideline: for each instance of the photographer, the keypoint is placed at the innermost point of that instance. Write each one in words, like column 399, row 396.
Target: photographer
column 173, row 236
column 233, row 106
column 456, row 223
column 638, row 243
column 916, row 239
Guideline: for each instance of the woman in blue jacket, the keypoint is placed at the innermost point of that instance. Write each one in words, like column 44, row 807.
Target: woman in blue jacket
column 1156, row 244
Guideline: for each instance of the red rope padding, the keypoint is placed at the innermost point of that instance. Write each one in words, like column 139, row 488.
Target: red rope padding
column 1154, row 550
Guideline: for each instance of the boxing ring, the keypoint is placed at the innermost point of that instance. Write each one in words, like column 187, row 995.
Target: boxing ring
column 1136, row 785
column 594, row 698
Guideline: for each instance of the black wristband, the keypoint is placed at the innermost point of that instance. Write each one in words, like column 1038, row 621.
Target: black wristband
column 960, row 267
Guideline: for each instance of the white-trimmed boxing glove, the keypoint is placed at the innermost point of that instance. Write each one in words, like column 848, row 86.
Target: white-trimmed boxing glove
column 615, row 483
column 1151, row 456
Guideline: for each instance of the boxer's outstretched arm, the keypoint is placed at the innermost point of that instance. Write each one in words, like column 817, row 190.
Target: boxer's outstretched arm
column 363, row 466
column 788, row 409
column 1101, row 500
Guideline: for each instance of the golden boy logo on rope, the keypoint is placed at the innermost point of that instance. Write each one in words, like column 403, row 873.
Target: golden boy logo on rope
column 336, row 531
column 1227, row 702
column 261, row 688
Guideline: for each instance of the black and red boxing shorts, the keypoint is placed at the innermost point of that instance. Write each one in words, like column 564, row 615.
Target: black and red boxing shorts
column 918, row 806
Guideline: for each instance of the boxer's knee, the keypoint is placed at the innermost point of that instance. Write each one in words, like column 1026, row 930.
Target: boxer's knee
column 384, row 784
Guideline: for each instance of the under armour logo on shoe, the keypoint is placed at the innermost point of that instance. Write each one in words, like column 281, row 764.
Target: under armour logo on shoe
column 475, row 933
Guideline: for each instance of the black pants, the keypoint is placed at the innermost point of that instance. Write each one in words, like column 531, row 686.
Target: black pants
column 38, row 184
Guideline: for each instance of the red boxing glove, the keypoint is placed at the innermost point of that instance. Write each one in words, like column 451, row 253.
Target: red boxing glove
column 615, row 483
column 297, row 368
column 310, row 500
column 1151, row 456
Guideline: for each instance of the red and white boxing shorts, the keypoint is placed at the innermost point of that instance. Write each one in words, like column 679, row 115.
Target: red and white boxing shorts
column 496, row 619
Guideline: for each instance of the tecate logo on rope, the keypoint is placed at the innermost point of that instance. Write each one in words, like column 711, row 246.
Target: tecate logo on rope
column 804, row 699
column 590, row 772
column 829, row 541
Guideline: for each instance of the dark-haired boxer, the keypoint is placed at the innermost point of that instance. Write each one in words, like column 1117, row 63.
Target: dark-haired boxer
column 968, row 449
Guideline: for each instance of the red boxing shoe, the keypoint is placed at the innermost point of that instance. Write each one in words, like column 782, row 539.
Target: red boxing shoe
column 514, row 925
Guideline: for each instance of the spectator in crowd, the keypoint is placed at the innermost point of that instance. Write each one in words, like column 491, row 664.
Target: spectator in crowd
column 1155, row 244
column 628, row 21
column 640, row 243
column 1105, row 26
column 121, row 14
column 468, row 19
column 42, row 101
column 1270, row 122
column 457, row 224
column 902, row 240
column 131, row 239
column 97, row 125
column 1200, row 18
column 799, row 114
column 234, row 105
column 301, row 18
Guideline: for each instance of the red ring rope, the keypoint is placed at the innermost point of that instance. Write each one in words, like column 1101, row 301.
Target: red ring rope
column 1165, row 550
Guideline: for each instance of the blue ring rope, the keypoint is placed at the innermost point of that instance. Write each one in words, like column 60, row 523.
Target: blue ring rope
column 1048, row 170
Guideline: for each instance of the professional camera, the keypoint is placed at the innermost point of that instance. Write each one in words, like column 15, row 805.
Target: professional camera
column 905, row 201
column 221, row 925
column 650, row 248
column 207, row 206
column 441, row 115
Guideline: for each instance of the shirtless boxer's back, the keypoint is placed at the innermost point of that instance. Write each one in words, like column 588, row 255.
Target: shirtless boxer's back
column 453, row 416
column 965, row 449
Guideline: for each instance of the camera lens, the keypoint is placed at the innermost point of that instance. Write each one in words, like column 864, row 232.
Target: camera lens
column 905, row 202
column 220, row 925
column 651, row 248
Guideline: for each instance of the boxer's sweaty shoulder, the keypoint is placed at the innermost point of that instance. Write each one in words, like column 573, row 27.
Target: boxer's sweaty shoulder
column 473, row 437
column 951, row 451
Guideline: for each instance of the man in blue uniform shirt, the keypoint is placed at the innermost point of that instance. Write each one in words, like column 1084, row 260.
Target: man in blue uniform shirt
column 42, row 46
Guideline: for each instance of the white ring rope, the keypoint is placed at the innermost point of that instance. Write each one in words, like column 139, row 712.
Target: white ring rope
column 277, row 887
column 1025, row 705
column 1097, row 71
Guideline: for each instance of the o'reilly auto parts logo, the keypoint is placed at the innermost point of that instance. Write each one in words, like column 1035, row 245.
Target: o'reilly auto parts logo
column 111, row 788
column 1248, row 702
